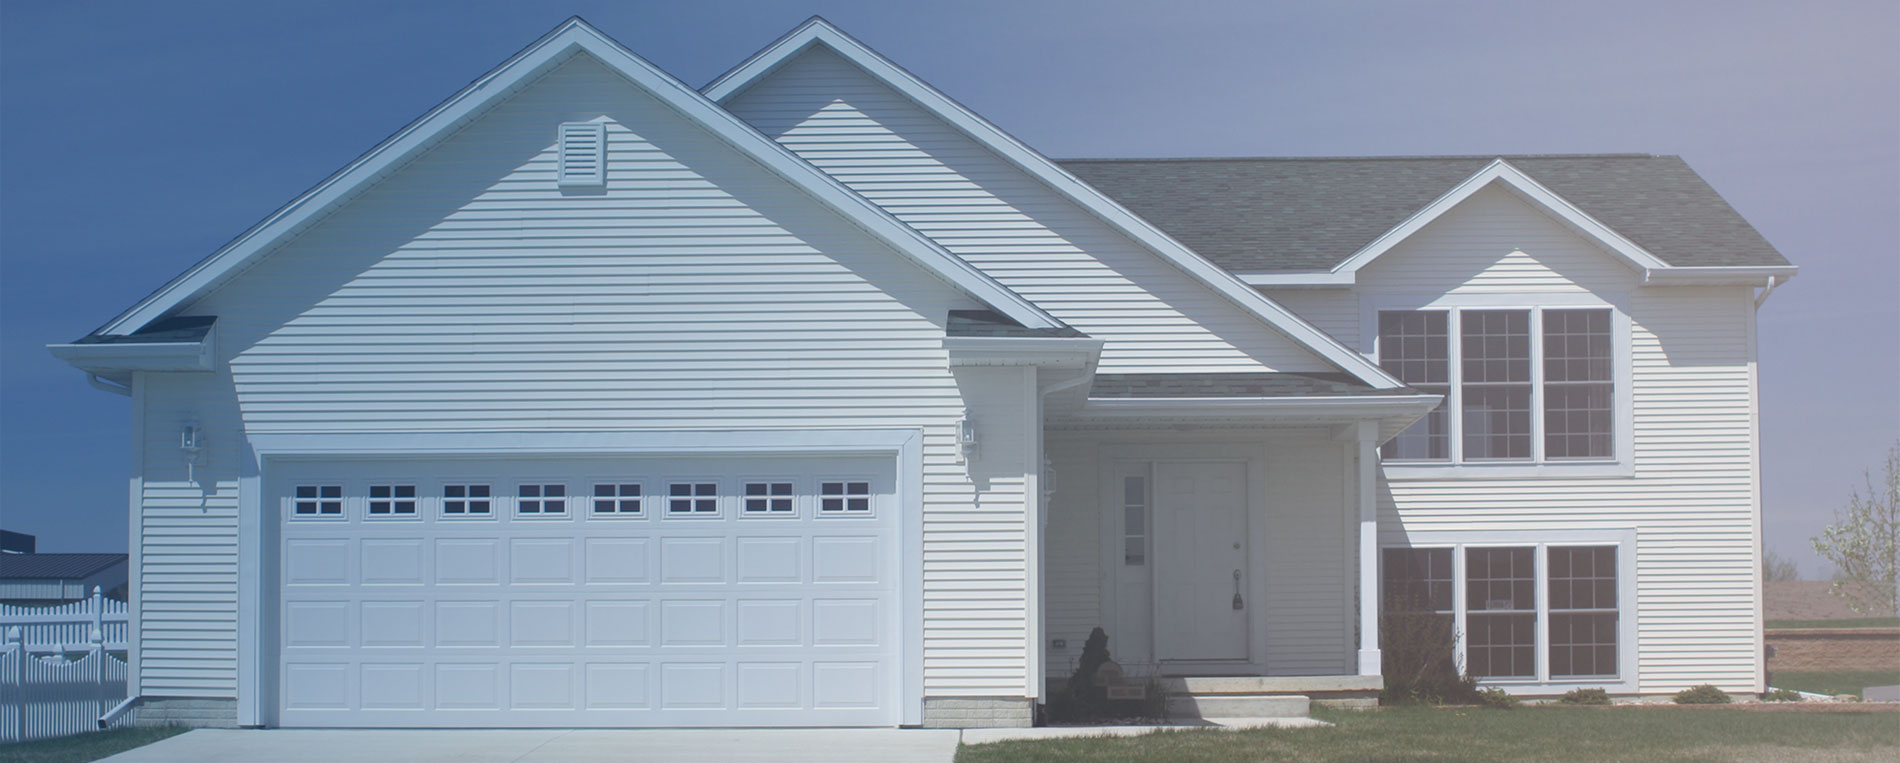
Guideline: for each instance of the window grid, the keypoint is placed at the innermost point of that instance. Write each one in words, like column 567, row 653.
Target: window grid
column 1495, row 359
column 617, row 498
column 392, row 500
column 1414, row 346
column 844, row 497
column 768, row 498
column 1134, row 521
column 541, row 498
column 1501, row 612
column 690, row 498
column 1583, row 612
column 318, row 501
column 1578, row 386
column 467, row 500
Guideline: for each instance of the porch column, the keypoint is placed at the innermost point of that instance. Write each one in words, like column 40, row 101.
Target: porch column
column 1367, row 442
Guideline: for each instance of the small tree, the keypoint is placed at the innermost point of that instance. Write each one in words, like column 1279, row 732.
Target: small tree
column 1864, row 543
column 1776, row 568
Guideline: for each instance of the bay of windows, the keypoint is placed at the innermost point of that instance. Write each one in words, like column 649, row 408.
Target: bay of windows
column 1508, row 610
column 1520, row 384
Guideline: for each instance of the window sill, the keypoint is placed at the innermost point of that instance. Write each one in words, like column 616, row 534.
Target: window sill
column 1399, row 471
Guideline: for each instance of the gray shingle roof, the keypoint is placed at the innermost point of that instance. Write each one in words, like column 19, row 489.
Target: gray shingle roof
column 1232, row 385
column 55, row 566
column 178, row 328
column 1268, row 214
column 989, row 323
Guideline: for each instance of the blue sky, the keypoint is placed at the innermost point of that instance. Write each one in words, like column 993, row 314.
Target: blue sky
column 137, row 137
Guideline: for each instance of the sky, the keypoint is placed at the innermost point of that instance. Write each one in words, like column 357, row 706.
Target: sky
column 138, row 137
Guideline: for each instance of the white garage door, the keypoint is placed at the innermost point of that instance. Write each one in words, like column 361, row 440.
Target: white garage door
column 588, row 592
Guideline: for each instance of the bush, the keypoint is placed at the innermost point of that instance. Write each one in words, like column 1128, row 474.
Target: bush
column 1784, row 695
column 1585, row 697
column 1705, row 694
column 1418, row 663
column 1498, row 698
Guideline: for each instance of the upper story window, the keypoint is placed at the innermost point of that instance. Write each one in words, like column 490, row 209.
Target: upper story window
column 1520, row 384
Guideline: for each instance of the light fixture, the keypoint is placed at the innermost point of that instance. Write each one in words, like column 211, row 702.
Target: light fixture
column 191, row 442
column 966, row 437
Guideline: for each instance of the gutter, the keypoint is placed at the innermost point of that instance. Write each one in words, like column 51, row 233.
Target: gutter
column 126, row 390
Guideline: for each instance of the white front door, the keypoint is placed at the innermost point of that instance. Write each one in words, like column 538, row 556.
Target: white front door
column 1200, row 561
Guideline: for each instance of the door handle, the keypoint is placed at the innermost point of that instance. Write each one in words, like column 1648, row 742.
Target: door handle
column 1239, row 603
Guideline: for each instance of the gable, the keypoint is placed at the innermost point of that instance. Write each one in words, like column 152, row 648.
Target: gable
column 1495, row 241
column 1011, row 225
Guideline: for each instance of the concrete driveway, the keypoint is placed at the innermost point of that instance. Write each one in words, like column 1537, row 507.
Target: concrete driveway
column 550, row 746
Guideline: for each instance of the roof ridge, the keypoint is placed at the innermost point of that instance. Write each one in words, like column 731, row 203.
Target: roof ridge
column 1398, row 157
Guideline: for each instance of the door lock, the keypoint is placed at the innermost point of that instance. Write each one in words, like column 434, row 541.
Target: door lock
column 1239, row 603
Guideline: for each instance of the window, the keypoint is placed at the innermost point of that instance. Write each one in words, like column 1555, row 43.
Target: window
column 466, row 500
column 1134, row 521
column 1520, row 385
column 843, row 497
column 318, row 501
column 768, row 498
column 690, row 498
column 1496, row 601
column 392, row 500
column 617, row 498
column 541, row 499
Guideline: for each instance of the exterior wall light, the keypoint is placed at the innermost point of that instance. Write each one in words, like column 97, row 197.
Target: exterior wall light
column 191, row 443
column 966, row 437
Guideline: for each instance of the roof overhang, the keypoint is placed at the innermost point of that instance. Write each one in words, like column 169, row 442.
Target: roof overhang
column 1719, row 276
column 1051, row 352
column 118, row 360
column 1393, row 413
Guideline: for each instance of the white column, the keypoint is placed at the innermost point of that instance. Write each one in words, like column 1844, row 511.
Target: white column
column 1367, row 442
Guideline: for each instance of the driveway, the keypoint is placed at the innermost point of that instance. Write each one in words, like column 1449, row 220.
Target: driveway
column 550, row 746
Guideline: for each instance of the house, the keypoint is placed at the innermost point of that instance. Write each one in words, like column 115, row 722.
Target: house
column 812, row 398
column 35, row 579
column 17, row 543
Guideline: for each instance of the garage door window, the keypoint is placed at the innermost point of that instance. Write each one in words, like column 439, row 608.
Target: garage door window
column 541, row 500
column 392, row 501
column 844, row 497
column 768, row 499
column 318, row 501
column 692, row 499
column 617, row 499
column 466, row 501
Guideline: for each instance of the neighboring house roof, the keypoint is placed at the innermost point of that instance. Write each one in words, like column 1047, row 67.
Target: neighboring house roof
column 989, row 323
column 1229, row 385
column 1292, row 214
column 572, row 37
column 55, row 566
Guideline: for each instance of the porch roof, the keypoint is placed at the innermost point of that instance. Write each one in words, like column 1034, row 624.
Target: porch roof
column 1232, row 385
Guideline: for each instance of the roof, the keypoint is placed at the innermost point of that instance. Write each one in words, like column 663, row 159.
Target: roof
column 1253, row 215
column 55, row 566
column 989, row 323
column 181, row 328
column 1273, row 384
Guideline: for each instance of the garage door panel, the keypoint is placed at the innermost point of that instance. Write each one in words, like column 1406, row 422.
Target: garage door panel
column 781, row 616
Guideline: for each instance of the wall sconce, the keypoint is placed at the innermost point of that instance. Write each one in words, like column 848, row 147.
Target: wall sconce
column 1048, row 479
column 191, row 442
column 966, row 438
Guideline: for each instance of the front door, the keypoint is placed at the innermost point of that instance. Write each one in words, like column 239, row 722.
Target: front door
column 1200, row 561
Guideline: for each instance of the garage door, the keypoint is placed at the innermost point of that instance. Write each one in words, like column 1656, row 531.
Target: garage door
column 588, row 592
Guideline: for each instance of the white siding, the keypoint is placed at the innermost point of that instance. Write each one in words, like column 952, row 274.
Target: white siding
column 1692, row 495
column 1007, row 223
column 466, row 293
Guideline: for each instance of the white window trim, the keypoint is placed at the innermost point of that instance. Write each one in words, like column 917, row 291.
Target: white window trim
column 870, row 498
column 393, row 516
column 721, row 499
column 646, row 500
column 798, row 497
column 343, row 500
column 515, row 498
column 438, row 500
column 1626, row 646
column 1620, row 464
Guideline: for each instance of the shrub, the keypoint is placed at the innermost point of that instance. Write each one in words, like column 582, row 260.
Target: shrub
column 1784, row 695
column 1418, row 664
column 1585, row 697
column 1705, row 694
column 1498, row 698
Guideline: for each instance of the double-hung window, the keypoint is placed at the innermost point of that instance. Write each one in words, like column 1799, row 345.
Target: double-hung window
column 1521, row 385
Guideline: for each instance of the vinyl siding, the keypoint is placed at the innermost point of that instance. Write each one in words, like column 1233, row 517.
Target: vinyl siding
column 698, row 291
column 1008, row 224
column 1692, row 496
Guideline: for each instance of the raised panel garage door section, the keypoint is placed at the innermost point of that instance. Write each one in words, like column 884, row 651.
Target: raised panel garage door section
column 746, row 591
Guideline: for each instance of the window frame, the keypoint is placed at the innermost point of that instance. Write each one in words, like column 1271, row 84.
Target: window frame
column 1455, row 465
column 1541, row 682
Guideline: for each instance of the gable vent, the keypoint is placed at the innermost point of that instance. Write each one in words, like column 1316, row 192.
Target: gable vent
column 583, row 160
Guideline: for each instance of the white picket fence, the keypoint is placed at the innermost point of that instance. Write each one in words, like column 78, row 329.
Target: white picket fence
column 62, row 667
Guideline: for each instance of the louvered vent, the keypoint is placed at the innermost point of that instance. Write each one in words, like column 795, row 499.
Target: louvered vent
column 583, row 154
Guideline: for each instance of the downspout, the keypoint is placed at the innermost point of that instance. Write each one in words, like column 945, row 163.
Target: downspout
column 1765, row 291
column 105, row 721
column 94, row 380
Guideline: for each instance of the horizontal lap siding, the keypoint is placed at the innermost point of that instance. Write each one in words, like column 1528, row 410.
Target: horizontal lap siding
column 1007, row 223
column 1692, row 496
column 697, row 292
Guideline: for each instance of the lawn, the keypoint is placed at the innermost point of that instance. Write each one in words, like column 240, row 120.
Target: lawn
column 81, row 748
column 1834, row 681
column 1650, row 733
column 1862, row 622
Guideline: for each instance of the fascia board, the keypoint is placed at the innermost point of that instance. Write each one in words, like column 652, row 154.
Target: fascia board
column 150, row 356
column 1040, row 167
column 1731, row 275
column 1301, row 279
column 1525, row 187
column 1040, row 351
column 1368, row 404
column 572, row 37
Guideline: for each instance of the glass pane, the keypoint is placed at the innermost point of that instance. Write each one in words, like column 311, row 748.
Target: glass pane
column 1134, row 520
column 1134, row 490
column 1418, row 579
column 1496, row 346
column 1134, row 551
column 1428, row 438
column 1582, row 634
column 1497, row 421
column 1414, row 346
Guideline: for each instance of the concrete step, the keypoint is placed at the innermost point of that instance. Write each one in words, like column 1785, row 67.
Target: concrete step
column 1238, row 705
column 1204, row 685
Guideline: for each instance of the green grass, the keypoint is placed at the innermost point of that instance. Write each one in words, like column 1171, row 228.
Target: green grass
column 1859, row 622
column 1652, row 733
column 81, row 748
column 1834, row 681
